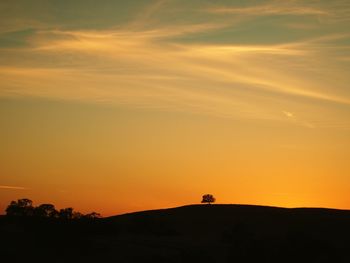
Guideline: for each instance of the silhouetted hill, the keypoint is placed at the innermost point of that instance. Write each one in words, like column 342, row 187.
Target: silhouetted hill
column 210, row 219
column 195, row 233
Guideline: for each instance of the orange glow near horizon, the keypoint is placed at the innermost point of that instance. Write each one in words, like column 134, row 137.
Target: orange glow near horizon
column 146, row 160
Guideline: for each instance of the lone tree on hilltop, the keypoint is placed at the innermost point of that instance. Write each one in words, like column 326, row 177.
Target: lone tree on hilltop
column 208, row 198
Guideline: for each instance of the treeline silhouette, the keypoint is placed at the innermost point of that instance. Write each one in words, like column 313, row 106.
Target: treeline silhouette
column 24, row 208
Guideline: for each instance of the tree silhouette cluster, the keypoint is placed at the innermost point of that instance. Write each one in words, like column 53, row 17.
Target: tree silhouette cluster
column 24, row 208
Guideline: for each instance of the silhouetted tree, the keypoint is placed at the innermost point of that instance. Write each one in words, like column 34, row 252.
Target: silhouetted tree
column 77, row 215
column 46, row 210
column 66, row 213
column 21, row 207
column 92, row 215
column 208, row 198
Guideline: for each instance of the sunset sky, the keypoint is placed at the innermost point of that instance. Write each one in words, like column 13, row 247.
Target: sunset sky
column 119, row 106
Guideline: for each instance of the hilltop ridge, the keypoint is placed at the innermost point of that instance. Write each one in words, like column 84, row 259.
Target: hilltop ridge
column 229, row 206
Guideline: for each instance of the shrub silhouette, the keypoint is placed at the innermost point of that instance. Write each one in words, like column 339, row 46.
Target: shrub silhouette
column 208, row 198
column 92, row 215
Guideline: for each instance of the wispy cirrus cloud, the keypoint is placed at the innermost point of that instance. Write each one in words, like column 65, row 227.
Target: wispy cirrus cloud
column 140, row 69
column 269, row 9
column 325, row 12
column 146, row 66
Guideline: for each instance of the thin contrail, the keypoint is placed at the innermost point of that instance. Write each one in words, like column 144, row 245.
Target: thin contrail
column 12, row 187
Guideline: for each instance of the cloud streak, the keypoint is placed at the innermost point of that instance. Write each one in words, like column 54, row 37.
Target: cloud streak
column 7, row 187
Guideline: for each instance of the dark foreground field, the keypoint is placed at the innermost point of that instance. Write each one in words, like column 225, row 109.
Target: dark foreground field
column 196, row 233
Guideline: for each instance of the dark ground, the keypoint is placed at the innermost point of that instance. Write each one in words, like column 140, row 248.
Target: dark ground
column 196, row 233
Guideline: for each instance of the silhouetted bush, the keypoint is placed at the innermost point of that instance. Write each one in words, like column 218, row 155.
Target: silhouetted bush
column 92, row 215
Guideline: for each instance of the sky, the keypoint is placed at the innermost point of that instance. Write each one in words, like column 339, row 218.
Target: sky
column 120, row 106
